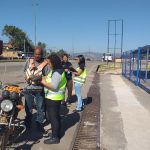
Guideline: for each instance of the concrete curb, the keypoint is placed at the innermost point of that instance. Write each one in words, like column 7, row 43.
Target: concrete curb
column 3, row 61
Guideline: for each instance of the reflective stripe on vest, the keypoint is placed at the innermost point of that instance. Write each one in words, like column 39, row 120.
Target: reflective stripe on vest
column 82, row 78
column 60, row 93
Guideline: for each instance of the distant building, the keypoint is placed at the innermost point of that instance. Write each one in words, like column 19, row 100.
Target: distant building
column 7, row 46
column 118, row 60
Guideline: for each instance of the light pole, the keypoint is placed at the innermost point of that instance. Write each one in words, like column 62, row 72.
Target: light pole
column 35, row 26
column 72, row 47
column 24, row 45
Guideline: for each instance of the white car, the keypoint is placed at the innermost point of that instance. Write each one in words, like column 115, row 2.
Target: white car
column 107, row 57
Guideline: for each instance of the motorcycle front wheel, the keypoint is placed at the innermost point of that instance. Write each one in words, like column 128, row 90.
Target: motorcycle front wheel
column 4, row 138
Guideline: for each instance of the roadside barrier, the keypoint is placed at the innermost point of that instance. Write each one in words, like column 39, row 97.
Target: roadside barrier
column 136, row 67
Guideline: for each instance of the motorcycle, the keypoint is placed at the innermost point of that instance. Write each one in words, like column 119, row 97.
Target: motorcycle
column 11, row 126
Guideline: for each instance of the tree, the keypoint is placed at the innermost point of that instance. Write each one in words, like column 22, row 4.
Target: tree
column 42, row 45
column 61, row 52
column 17, row 37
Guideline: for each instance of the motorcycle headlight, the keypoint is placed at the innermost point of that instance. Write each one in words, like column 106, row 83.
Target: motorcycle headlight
column 6, row 105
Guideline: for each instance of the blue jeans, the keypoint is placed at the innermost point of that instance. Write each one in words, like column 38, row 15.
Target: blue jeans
column 38, row 99
column 78, row 87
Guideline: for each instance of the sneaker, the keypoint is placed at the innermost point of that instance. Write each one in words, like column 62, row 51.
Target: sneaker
column 52, row 140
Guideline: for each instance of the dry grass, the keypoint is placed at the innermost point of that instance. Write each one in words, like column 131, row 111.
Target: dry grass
column 110, row 68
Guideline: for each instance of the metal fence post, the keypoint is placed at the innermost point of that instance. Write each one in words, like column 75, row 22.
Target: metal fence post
column 147, row 63
column 138, row 67
column 125, row 63
column 122, row 63
column 130, row 64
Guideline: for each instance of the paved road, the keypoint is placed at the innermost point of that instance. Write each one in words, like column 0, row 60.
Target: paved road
column 13, row 73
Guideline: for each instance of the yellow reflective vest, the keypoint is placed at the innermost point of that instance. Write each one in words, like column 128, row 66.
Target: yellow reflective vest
column 60, row 93
column 82, row 78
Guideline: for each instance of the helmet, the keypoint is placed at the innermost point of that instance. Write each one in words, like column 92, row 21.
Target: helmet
column 14, row 95
column 5, row 94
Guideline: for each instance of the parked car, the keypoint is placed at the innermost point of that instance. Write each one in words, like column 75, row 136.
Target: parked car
column 107, row 57
column 25, row 55
column 88, row 59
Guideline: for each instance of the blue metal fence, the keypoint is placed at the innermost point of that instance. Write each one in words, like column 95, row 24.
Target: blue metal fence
column 136, row 67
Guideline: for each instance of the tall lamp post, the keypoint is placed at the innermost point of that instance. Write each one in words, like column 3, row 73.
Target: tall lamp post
column 24, row 45
column 35, row 26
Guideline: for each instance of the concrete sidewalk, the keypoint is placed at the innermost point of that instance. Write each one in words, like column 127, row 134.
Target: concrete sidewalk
column 125, row 115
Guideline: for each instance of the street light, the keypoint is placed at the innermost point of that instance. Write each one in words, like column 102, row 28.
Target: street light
column 24, row 45
column 35, row 26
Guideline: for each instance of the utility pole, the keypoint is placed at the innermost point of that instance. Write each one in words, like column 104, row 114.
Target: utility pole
column 115, row 47
column 108, row 36
column 24, row 46
column 122, row 39
column 115, row 33
column 35, row 31
column 72, row 48
column 35, row 23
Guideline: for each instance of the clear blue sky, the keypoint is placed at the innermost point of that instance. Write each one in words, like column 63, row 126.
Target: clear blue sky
column 81, row 22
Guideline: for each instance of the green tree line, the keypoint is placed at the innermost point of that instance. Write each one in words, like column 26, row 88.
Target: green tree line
column 18, row 38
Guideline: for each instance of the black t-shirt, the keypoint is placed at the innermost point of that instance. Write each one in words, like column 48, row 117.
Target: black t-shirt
column 67, row 65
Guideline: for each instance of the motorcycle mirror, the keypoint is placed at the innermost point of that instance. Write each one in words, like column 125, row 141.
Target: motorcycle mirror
column 1, row 84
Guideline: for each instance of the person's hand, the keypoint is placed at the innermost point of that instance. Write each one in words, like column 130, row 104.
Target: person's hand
column 74, row 73
column 66, row 70
column 44, row 77
column 43, row 81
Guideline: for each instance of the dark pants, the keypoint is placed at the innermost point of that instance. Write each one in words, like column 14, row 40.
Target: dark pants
column 53, row 111
column 29, row 103
column 69, row 88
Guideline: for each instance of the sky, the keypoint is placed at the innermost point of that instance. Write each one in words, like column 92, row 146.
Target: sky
column 79, row 24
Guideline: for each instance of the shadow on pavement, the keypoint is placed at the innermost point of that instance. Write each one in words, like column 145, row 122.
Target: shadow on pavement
column 87, row 100
column 73, row 99
column 32, row 136
column 68, row 121
column 29, row 137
